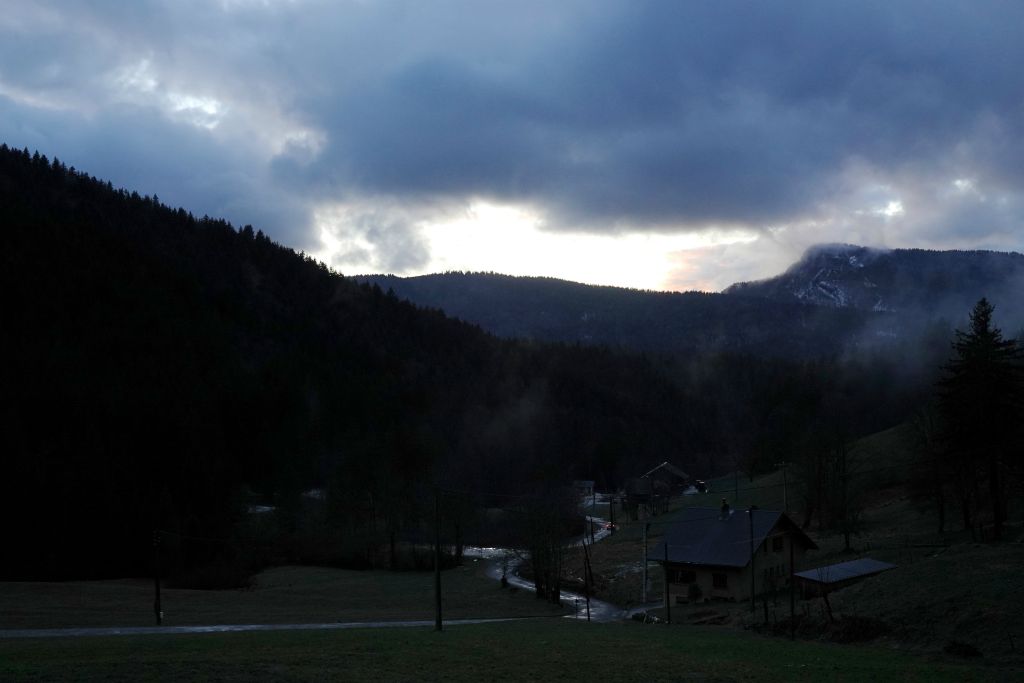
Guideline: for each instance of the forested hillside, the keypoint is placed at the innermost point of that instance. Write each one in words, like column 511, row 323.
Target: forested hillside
column 548, row 309
column 164, row 371
column 167, row 372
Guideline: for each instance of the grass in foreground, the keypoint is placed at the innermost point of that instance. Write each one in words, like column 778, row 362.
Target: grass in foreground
column 279, row 595
column 534, row 650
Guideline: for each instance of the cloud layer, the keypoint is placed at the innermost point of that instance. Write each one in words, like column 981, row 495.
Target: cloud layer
column 887, row 123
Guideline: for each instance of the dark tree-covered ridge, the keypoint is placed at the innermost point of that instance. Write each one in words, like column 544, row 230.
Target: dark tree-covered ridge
column 164, row 371
column 548, row 309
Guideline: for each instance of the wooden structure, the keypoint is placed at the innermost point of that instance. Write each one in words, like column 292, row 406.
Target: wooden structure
column 707, row 554
column 823, row 580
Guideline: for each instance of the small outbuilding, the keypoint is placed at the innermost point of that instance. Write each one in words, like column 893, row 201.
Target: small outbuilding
column 584, row 488
column 823, row 580
column 712, row 554
column 667, row 478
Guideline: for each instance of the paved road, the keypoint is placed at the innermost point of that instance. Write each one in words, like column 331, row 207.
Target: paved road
column 233, row 628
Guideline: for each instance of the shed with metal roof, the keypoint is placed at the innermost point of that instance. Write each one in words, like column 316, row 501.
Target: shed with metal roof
column 835, row 576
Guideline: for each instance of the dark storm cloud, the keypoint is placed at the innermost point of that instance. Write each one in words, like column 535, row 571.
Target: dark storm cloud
column 601, row 116
column 683, row 113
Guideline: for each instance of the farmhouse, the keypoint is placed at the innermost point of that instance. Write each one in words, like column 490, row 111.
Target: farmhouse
column 667, row 478
column 584, row 488
column 707, row 553
column 652, row 491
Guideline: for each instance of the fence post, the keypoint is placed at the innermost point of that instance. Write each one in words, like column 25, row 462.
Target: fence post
column 437, row 560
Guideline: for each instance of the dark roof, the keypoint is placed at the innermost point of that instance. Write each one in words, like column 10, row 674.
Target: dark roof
column 844, row 571
column 702, row 536
column 670, row 468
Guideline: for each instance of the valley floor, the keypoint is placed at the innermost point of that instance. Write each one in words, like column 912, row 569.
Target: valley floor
column 550, row 649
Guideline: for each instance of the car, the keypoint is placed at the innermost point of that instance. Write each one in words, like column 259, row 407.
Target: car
column 701, row 486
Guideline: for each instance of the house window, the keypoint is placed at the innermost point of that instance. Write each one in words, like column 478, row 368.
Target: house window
column 720, row 580
column 777, row 544
column 682, row 576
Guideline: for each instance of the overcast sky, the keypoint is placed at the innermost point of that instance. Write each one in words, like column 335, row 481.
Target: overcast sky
column 663, row 145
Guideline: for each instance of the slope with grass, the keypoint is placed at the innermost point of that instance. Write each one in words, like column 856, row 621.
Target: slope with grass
column 534, row 650
column 945, row 594
column 282, row 595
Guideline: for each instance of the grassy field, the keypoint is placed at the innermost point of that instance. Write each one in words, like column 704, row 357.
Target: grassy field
column 513, row 651
column 969, row 594
column 279, row 595
column 962, row 595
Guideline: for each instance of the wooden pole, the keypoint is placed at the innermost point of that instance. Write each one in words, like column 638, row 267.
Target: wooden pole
column 668, row 602
column 785, row 485
column 750, row 514
column 644, row 593
column 792, row 592
column 438, row 626
column 158, row 609
column 586, row 577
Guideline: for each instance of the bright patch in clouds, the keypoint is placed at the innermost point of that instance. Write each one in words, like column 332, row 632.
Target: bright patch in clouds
column 511, row 240
column 893, row 208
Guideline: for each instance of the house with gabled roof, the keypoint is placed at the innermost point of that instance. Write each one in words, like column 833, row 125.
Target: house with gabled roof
column 712, row 554
column 652, row 490
column 667, row 478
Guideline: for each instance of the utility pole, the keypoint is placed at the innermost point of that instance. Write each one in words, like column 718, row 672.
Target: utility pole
column 437, row 559
column 644, row 599
column 792, row 589
column 158, row 610
column 750, row 514
column 668, row 603
column 736, row 487
column 785, row 486
column 586, row 576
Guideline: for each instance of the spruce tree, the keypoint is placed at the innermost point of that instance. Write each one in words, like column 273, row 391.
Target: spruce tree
column 980, row 402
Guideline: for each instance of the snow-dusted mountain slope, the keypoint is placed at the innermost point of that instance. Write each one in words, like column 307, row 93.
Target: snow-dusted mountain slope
column 909, row 282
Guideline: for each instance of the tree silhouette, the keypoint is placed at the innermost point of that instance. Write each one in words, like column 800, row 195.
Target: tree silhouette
column 980, row 402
